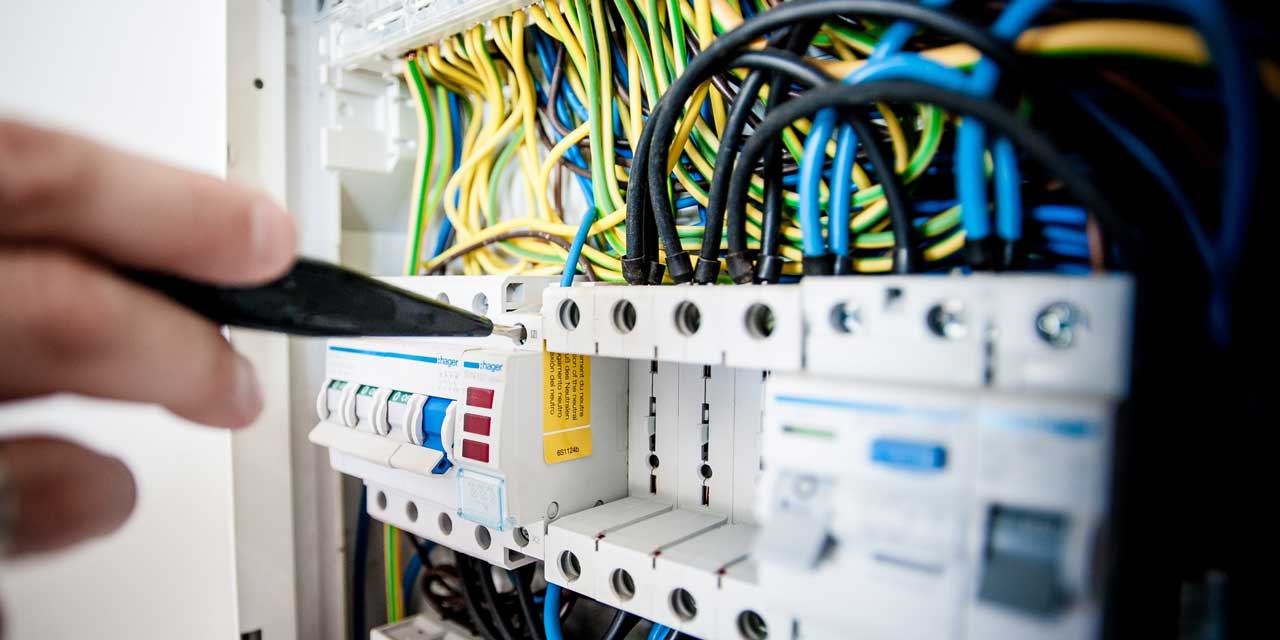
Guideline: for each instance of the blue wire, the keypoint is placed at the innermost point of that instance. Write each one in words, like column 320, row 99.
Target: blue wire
column 909, row 67
column 1070, row 249
column 1008, row 189
column 810, row 174
column 815, row 145
column 575, row 250
column 842, row 188
column 896, row 36
column 1072, row 235
column 1152, row 163
column 411, row 576
column 551, row 613
column 971, row 140
column 620, row 66
column 931, row 207
column 659, row 632
column 573, row 155
column 1073, row 269
column 545, row 59
column 1060, row 214
column 970, row 175
column 1239, row 167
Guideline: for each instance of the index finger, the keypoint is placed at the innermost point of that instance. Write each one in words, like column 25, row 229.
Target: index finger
column 56, row 187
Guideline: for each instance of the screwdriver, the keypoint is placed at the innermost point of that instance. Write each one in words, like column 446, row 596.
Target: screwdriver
column 317, row 298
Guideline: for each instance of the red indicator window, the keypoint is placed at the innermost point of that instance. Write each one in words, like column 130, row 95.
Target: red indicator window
column 477, row 424
column 473, row 450
column 478, row 397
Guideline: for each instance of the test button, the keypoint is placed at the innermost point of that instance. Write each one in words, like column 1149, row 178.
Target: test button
column 480, row 397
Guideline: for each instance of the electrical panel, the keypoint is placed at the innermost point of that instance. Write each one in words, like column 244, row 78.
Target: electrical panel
column 728, row 433
column 744, row 500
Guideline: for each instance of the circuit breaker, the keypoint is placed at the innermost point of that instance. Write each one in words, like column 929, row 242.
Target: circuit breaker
column 473, row 443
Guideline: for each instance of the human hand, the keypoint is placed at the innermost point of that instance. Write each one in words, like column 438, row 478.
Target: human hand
column 71, row 213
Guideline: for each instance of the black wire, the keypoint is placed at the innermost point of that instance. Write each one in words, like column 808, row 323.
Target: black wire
column 639, row 223
column 419, row 547
column 623, row 623
column 730, row 143
column 489, row 595
column 779, row 61
column 776, row 60
column 769, row 267
column 524, row 589
column 997, row 117
column 359, row 630
column 472, row 595
column 421, row 550
column 712, row 60
column 899, row 208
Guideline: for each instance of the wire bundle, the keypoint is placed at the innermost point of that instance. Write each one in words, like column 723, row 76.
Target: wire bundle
column 677, row 123
column 714, row 141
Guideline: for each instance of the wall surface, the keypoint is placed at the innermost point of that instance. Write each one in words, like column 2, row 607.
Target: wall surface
column 150, row 76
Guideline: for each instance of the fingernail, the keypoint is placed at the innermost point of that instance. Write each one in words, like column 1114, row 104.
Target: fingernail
column 272, row 234
column 248, row 398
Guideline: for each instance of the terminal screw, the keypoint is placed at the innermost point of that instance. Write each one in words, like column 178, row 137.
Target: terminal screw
column 946, row 320
column 1057, row 324
column 846, row 317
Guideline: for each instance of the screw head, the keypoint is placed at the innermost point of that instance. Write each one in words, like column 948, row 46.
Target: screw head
column 804, row 487
column 553, row 510
column 1058, row 324
column 947, row 320
column 846, row 317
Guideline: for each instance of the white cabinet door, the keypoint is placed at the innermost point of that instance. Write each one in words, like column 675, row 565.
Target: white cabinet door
column 152, row 76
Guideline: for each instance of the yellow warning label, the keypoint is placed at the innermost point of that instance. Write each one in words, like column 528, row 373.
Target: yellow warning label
column 566, row 407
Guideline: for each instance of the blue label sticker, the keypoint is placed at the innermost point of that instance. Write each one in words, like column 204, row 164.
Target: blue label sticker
column 909, row 455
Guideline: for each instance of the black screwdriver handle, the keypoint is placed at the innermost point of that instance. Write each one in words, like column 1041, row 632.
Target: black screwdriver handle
column 320, row 299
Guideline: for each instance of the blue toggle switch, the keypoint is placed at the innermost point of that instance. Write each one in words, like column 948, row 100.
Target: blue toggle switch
column 433, row 414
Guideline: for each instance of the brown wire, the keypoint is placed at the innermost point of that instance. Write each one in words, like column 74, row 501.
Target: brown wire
column 558, row 189
column 1093, row 232
column 1199, row 149
column 546, row 139
column 520, row 233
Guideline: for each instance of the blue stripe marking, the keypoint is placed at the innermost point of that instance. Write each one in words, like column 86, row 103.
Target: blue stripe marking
column 386, row 354
column 871, row 407
column 844, row 404
column 1065, row 427
column 471, row 365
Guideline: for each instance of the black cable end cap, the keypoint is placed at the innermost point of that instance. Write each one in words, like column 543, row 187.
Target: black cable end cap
column 769, row 269
column 1013, row 255
column 635, row 270
column 680, row 267
column 844, row 266
column 823, row 265
column 741, row 268
column 903, row 260
column 654, row 273
column 706, row 271
column 981, row 254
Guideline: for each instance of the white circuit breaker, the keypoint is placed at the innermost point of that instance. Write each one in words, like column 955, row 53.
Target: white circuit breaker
column 972, row 515
column 472, row 443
